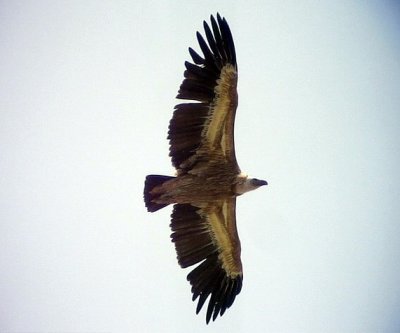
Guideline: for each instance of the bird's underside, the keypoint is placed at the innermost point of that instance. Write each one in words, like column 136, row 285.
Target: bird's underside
column 208, row 178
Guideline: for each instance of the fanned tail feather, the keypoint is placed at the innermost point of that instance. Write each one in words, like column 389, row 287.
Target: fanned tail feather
column 150, row 183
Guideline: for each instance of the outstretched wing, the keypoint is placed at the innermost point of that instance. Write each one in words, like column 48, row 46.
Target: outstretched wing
column 209, row 235
column 203, row 129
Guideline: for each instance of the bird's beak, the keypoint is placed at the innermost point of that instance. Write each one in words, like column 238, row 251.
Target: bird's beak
column 262, row 182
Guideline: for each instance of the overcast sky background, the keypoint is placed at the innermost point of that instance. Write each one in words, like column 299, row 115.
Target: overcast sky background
column 86, row 93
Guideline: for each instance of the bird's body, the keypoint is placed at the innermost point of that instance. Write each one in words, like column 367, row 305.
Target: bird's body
column 208, row 178
column 180, row 190
column 209, row 187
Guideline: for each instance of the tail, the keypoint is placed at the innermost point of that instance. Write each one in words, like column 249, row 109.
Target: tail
column 150, row 183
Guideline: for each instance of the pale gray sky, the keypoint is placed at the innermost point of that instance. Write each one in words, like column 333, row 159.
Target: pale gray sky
column 86, row 92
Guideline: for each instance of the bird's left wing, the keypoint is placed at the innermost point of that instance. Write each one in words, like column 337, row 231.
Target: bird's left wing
column 208, row 236
column 204, row 130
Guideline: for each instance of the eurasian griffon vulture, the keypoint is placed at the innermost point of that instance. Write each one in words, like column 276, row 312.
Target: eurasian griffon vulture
column 208, row 178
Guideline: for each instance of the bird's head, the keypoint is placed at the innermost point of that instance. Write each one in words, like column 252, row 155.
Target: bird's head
column 246, row 184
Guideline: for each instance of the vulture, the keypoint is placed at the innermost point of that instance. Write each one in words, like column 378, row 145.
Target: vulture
column 208, row 178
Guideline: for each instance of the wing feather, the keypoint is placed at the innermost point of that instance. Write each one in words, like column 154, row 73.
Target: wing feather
column 198, row 60
column 213, row 46
column 208, row 236
column 218, row 38
column 211, row 81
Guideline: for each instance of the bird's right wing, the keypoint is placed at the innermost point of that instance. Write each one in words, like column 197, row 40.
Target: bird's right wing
column 208, row 236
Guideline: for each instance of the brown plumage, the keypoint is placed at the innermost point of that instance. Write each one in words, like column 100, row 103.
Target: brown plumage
column 208, row 180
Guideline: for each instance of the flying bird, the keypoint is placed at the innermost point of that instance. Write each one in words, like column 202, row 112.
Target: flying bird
column 208, row 178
